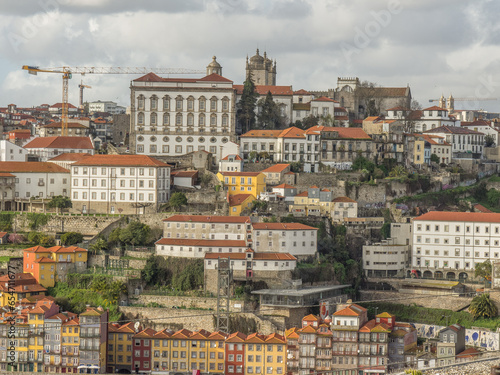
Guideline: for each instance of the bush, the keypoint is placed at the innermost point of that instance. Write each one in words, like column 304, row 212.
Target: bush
column 41, row 239
column 71, row 238
column 16, row 238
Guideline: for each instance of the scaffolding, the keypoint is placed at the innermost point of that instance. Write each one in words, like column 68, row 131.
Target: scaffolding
column 224, row 281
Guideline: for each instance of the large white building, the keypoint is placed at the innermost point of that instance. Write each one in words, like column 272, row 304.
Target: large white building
column 106, row 106
column 426, row 119
column 450, row 244
column 128, row 184
column 176, row 116
column 45, row 148
column 9, row 151
column 465, row 143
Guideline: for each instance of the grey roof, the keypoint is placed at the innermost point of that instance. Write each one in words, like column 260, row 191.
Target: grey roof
column 299, row 292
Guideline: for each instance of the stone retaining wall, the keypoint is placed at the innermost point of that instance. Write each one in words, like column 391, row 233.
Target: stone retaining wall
column 189, row 302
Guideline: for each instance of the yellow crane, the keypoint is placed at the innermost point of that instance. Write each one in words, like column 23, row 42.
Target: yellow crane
column 67, row 73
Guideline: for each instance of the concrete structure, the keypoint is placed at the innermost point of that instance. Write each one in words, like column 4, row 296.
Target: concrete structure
column 46, row 148
column 234, row 183
column 451, row 343
column 11, row 152
column 75, row 129
column 465, row 143
column 176, row 116
column 343, row 207
column 450, row 244
column 119, row 184
column 485, row 127
column 390, row 257
column 93, row 339
column 196, row 248
column 105, row 106
column 184, row 178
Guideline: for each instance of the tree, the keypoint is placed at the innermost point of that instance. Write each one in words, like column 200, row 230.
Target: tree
column 369, row 100
column 398, row 171
column 60, row 202
column 483, row 270
column 98, row 246
column 253, row 155
column 435, row 158
column 136, row 234
column 408, row 116
column 150, row 271
column 71, row 238
column 489, row 141
column 269, row 116
column 310, row 121
column 245, row 112
column 483, row 307
column 177, row 200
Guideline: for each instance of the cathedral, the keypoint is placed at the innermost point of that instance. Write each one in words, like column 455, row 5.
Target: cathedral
column 263, row 70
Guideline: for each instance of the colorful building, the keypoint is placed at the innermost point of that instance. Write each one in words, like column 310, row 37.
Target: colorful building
column 141, row 352
column 23, row 285
column 70, row 345
column 243, row 182
column 120, row 347
column 93, row 340
column 239, row 203
column 235, row 353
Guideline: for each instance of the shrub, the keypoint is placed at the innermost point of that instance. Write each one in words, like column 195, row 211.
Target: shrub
column 71, row 238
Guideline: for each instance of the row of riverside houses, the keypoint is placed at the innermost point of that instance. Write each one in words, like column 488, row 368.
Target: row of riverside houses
column 50, row 341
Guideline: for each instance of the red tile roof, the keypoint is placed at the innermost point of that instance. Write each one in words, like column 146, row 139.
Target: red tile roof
column 61, row 143
column 262, row 134
column 256, row 256
column 282, row 226
column 303, row 194
column 214, row 78
column 236, row 157
column 479, row 217
column 59, row 105
column 263, row 90
column 302, row 92
column 152, row 77
column 122, row 160
column 71, row 125
column 347, row 133
column 30, row 167
column 324, row 99
column 240, row 174
column 70, row 156
column 478, row 207
column 237, row 199
column 200, row 243
column 276, row 168
column 283, row 186
column 435, row 108
column 344, row 199
column 236, row 337
column 184, row 173
column 4, row 174
column 452, row 130
column 292, row 132
column 351, row 310
column 208, row 219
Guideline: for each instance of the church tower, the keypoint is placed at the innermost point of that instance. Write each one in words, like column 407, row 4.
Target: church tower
column 263, row 70
column 442, row 102
column 214, row 67
column 451, row 103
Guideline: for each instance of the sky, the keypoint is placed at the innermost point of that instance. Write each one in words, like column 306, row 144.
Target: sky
column 436, row 47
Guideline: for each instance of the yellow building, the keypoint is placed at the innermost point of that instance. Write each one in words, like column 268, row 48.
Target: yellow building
column 16, row 339
column 23, row 285
column 216, row 352
column 161, row 350
column 120, row 347
column 70, row 344
column 239, row 203
column 265, row 354
column 243, row 182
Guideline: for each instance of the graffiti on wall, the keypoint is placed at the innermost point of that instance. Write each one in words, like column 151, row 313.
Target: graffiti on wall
column 473, row 337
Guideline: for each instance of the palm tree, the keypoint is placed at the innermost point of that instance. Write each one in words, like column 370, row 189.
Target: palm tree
column 483, row 307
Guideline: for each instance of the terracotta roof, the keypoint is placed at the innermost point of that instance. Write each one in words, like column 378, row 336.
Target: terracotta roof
column 276, row 168
column 218, row 336
column 292, row 132
column 307, row 329
column 385, row 314
column 59, row 105
column 44, row 260
column 256, row 256
column 201, row 334
column 152, row 77
column 452, row 130
column 236, row 337
column 344, row 199
column 204, row 243
column 70, row 156
column 184, row 173
column 373, row 326
column 263, row 90
column 61, row 143
column 163, row 334
column 275, row 338
column 71, row 125
column 237, row 199
column 4, row 174
column 311, row 318
column 324, row 99
column 477, row 206
column 351, row 310
column 302, row 92
column 255, row 338
column 208, row 219
column 435, row 108
column 303, row 194
column 261, row 134
column 479, row 217
column 30, row 167
column 348, row 133
column 146, row 333
column 469, row 352
column 282, row 226
column 240, row 174
column 236, row 157
column 385, row 91
column 214, row 78
column 283, row 186
column 3, row 234
column 291, row 333
column 122, row 160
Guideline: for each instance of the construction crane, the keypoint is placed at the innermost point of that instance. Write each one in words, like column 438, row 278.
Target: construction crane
column 67, row 73
column 465, row 99
column 81, row 86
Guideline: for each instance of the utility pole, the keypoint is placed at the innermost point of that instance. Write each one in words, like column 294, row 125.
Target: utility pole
column 224, row 281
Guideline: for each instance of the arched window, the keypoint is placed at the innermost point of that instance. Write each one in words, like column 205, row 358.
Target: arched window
column 225, row 104
column 140, row 118
column 178, row 103
column 190, row 104
column 178, row 119
column 202, row 104
column 225, row 120
column 190, row 119
column 424, row 127
column 213, row 120
column 166, row 103
column 154, row 103
column 201, row 120
column 140, row 102
column 213, row 104
column 166, row 119
column 154, row 118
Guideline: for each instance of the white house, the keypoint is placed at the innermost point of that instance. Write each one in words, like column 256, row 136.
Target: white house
column 9, row 151
column 426, row 119
column 231, row 163
column 46, row 148
column 105, row 106
column 196, row 248
column 176, row 116
column 450, row 244
column 465, row 143
column 343, row 207
column 286, row 191
column 253, row 262
column 67, row 159
column 128, row 184
column 485, row 127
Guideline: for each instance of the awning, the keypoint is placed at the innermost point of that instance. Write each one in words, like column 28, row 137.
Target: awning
column 82, row 367
column 94, row 367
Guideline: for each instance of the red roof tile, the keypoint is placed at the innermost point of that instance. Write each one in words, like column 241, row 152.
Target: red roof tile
column 240, row 174
column 262, row 134
column 460, row 216
column 236, row 157
column 324, row 99
column 276, row 168
column 283, row 186
column 122, row 160
column 208, row 219
column 70, row 156
column 184, row 173
column 203, row 243
column 263, row 90
column 30, row 167
column 302, row 92
column 282, row 226
column 61, row 143
column 256, row 256
column 237, row 199
column 344, row 199
column 71, row 125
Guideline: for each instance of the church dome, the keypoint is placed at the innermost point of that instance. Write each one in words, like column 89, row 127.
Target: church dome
column 257, row 59
column 214, row 63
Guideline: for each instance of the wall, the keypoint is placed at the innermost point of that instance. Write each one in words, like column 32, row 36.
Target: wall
column 189, row 302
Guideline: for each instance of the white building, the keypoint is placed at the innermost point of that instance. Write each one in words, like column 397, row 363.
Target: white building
column 465, row 143
column 231, row 163
column 297, row 239
column 428, row 118
column 343, row 207
column 176, row 116
column 46, row 148
column 106, row 106
column 251, row 262
column 390, row 257
column 485, row 127
column 67, row 159
column 36, row 179
column 128, row 184
column 450, row 244
column 195, row 248
column 9, row 151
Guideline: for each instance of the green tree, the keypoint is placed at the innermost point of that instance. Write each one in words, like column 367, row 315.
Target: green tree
column 269, row 116
column 434, row 158
column 177, row 200
column 480, row 191
column 483, row 270
column 493, row 197
column 150, row 271
column 253, row 155
column 136, row 233
column 34, row 237
column 296, row 167
column 47, row 241
column 489, row 141
column 60, row 202
column 483, row 307
column 71, row 238
column 114, row 237
column 398, row 171
column 385, row 231
column 245, row 112
column 99, row 246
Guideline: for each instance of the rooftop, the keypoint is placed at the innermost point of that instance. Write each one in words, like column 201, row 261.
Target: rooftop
column 299, row 292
